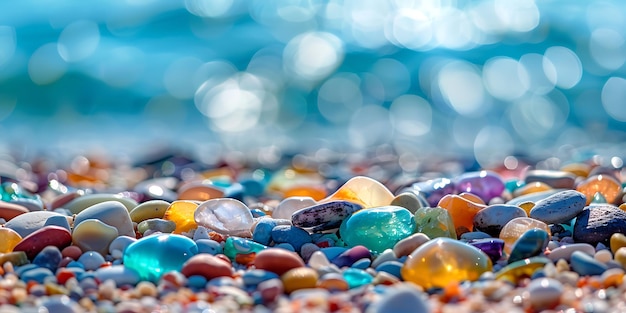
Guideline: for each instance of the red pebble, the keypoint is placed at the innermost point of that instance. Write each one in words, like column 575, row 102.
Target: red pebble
column 277, row 260
column 206, row 265
column 43, row 237
column 63, row 275
column 73, row 252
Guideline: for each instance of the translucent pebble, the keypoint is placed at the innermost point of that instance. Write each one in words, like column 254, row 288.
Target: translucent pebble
column 446, row 261
column 8, row 239
column 182, row 212
column 236, row 245
column 518, row 226
column 377, row 228
column 225, row 216
column 356, row 277
column 318, row 260
column 606, row 185
column 435, row 222
column 462, row 210
column 485, row 184
column 363, row 190
column 156, row 224
column 531, row 188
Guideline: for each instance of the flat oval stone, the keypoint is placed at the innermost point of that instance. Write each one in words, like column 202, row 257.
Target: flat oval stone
column 446, row 261
column 290, row 205
column 290, row 234
column 299, row 278
column 324, row 216
column 598, row 223
column 10, row 210
column 77, row 205
column 149, row 209
column 112, row 213
column 492, row 218
column 155, row 255
column 350, row 256
column 27, row 223
column 409, row 200
column 586, row 265
column 533, row 197
column 377, row 228
column 225, row 216
column 485, row 184
column 182, row 213
column 555, row 179
column 532, row 243
column 156, row 224
column 120, row 274
column 207, row 266
column 364, row 191
column 8, row 239
column 434, row 189
column 544, row 293
column 518, row 226
column 559, row 207
column 434, row 222
column 565, row 251
column 92, row 234
column 43, row 237
column 277, row 260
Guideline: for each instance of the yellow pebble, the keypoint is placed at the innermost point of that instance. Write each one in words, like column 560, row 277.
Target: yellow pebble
column 617, row 241
column 54, row 289
column 149, row 209
column 578, row 169
column 527, row 206
column 612, row 277
column 299, row 278
column 8, row 239
column 363, row 190
column 531, row 188
column 622, row 206
column 181, row 212
column 620, row 256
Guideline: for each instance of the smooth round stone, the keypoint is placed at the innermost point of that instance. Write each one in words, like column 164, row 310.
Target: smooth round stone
column 290, row 234
column 10, row 210
column 598, row 223
column 324, row 216
column 299, row 278
column 83, row 202
column 43, row 237
column 225, row 216
column 362, row 264
column 620, row 256
column 263, row 231
column 25, row 224
column 155, row 255
column 156, row 224
column 235, row 245
column 209, row 246
column 350, row 256
column 17, row 258
column 60, row 304
column 148, row 210
column 290, row 205
column 533, row 197
column 433, row 190
column 492, row 218
column 356, row 277
column 255, row 277
column 62, row 221
column 405, row 246
column 112, row 213
column 585, row 265
column 207, row 266
column 492, row 247
column 408, row 200
column 565, row 251
column 544, row 293
column 559, row 207
column 392, row 267
column 522, row 269
column 319, row 260
column 158, row 189
column 462, row 210
column 199, row 191
column 385, row 256
column 49, row 257
column 377, row 228
column 182, row 213
column 401, row 298
column 120, row 243
column 364, row 191
column 201, row 233
column 8, row 239
column 485, row 184
column 91, row 260
column 333, row 282
column 92, row 234
column 603, row 256
column 434, row 222
column 37, row 274
column 277, row 260
column 307, row 250
column 446, row 261
column 517, row 227
column 120, row 274
column 555, row 179
column 532, row 243
column 617, row 241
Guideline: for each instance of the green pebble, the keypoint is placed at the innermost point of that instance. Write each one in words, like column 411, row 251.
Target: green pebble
column 156, row 224
column 236, row 245
column 434, row 223
column 598, row 198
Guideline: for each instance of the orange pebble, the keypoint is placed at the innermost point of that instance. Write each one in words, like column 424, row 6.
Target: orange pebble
column 181, row 212
column 245, row 259
column 451, row 292
column 462, row 211
column 199, row 191
column 531, row 188
column 471, row 197
column 315, row 192
column 578, row 169
column 606, row 185
column 527, row 206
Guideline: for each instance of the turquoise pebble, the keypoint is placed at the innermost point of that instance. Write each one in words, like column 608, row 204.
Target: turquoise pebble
column 91, row 260
column 356, row 277
column 586, row 265
column 209, row 246
column 235, row 191
column 38, row 274
column 237, row 245
column 513, row 184
column 532, row 243
column 75, row 264
column 253, row 187
column 155, row 255
column 263, row 231
column 255, row 277
column 333, row 252
column 392, row 267
column 377, row 228
column 286, row 246
column 362, row 264
column 257, row 213
column 196, row 281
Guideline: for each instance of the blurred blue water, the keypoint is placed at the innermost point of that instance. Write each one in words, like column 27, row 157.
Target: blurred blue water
column 484, row 78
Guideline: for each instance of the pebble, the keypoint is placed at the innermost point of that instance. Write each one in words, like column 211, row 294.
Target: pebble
column 112, row 213
column 333, row 282
column 299, row 278
column 149, row 210
column 434, row 189
column 356, row 277
column 517, row 227
column 462, row 210
column 598, row 223
column 156, row 224
column 585, row 265
column 532, row 243
column 182, row 212
column 60, row 304
column 225, row 216
column 387, row 255
column 324, row 216
column 401, row 298
column 290, row 205
column 409, row 201
column 27, row 223
column 292, row 235
column 43, row 237
column 199, row 191
column 207, row 266
column 91, row 260
column 277, row 260
column 606, row 185
column 10, row 210
column 83, row 202
column 544, row 293
column 350, row 256
column 492, row 247
column 435, row 222
column 365, row 191
column 617, row 240
column 556, row 179
column 263, row 231
column 153, row 256
column 120, row 274
column 49, row 258
column 8, row 239
column 405, row 246
column 93, row 234
column 559, row 207
column 492, row 218
column 565, row 251
column 392, row 267
column 255, row 277
column 377, row 228
column 209, row 246
column 484, row 184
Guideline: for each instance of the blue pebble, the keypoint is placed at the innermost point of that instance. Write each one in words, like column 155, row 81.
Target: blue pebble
column 39, row 274
column 235, row 191
column 263, row 231
column 75, row 264
column 209, row 246
column 91, row 260
column 586, row 265
column 223, row 281
column 196, row 281
column 58, row 220
column 26, row 267
column 285, row 246
column 255, row 277
column 362, row 263
column 252, row 187
column 290, row 234
column 333, row 252
column 392, row 267
column 257, row 213
column 49, row 257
